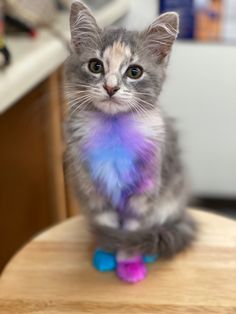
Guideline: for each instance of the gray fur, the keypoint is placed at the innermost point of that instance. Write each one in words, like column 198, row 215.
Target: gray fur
column 165, row 240
column 164, row 226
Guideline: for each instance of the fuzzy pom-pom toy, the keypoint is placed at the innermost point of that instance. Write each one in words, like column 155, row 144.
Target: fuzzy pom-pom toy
column 131, row 270
column 104, row 261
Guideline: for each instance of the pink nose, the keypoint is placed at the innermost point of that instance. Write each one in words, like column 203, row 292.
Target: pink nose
column 111, row 90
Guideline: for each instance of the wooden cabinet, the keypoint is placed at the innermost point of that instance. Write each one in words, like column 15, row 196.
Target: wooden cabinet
column 32, row 183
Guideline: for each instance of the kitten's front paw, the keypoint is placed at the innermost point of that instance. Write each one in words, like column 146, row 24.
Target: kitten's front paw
column 132, row 270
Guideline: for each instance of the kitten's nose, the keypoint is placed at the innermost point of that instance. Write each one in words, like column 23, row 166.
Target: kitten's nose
column 111, row 90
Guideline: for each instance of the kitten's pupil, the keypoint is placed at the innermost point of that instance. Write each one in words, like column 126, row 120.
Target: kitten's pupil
column 134, row 72
column 95, row 66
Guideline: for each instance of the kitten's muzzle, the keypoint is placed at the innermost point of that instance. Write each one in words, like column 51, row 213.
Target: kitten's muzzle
column 111, row 90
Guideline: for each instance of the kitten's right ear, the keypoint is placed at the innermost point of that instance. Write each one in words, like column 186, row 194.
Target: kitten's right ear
column 85, row 32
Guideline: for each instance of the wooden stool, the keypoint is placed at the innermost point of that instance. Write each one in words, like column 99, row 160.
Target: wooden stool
column 53, row 274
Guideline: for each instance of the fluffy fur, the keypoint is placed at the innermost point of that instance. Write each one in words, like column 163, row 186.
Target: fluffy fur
column 122, row 151
column 120, row 159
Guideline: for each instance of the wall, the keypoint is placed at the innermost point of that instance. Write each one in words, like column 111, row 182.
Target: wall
column 200, row 93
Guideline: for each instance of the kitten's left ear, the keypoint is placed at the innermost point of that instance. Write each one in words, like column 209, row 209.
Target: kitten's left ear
column 161, row 34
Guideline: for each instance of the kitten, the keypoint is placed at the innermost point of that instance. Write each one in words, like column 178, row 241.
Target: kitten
column 122, row 149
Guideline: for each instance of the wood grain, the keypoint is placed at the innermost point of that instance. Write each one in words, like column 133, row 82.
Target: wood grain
column 53, row 274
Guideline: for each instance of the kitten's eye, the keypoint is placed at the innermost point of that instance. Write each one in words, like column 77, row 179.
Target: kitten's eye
column 95, row 66
column 134, row 72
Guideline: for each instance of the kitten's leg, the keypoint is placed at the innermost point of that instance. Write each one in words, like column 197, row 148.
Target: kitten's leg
column 107, row 219
column 133, row 224
column 102, row 260
column 130, row 267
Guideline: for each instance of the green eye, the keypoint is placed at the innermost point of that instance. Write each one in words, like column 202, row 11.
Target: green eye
column 95, row 66
column 134, row 72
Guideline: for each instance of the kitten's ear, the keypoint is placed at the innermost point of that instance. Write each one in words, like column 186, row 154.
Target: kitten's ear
column 85, row 32
column 161, row 34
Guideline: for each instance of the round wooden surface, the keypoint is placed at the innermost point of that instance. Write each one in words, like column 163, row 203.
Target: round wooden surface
column 53, row 274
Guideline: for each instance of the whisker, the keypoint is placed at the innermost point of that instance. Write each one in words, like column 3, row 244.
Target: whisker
column 144, row 101
column 140, row 108
column 76, row 102
column 80, row 105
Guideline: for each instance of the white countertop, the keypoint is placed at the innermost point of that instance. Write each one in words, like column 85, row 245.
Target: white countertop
column 34, row 59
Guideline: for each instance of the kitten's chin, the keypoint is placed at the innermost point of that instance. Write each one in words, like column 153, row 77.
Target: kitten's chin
column 110, row 107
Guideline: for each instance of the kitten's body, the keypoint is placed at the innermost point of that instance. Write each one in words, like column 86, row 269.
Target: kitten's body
column 125, row 158
column 160, row 202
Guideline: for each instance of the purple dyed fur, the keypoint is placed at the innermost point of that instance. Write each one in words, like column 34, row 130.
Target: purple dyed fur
column 120, row 158
column 132, row 270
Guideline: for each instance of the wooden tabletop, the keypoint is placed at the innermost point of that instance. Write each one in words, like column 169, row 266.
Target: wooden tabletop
column 53, row 274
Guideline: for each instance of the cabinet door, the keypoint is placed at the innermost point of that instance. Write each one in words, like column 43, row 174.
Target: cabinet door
column 32, row 193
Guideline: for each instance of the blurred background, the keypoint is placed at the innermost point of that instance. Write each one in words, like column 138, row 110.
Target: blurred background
column 199, row 93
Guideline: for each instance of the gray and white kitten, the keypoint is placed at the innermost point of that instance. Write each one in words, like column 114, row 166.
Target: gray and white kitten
column 113, row 81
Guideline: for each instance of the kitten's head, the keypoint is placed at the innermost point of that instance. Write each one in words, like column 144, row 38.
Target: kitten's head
column 115, row 70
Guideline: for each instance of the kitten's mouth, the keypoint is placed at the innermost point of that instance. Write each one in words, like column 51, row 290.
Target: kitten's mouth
column 111, row 105
column 111, row 101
